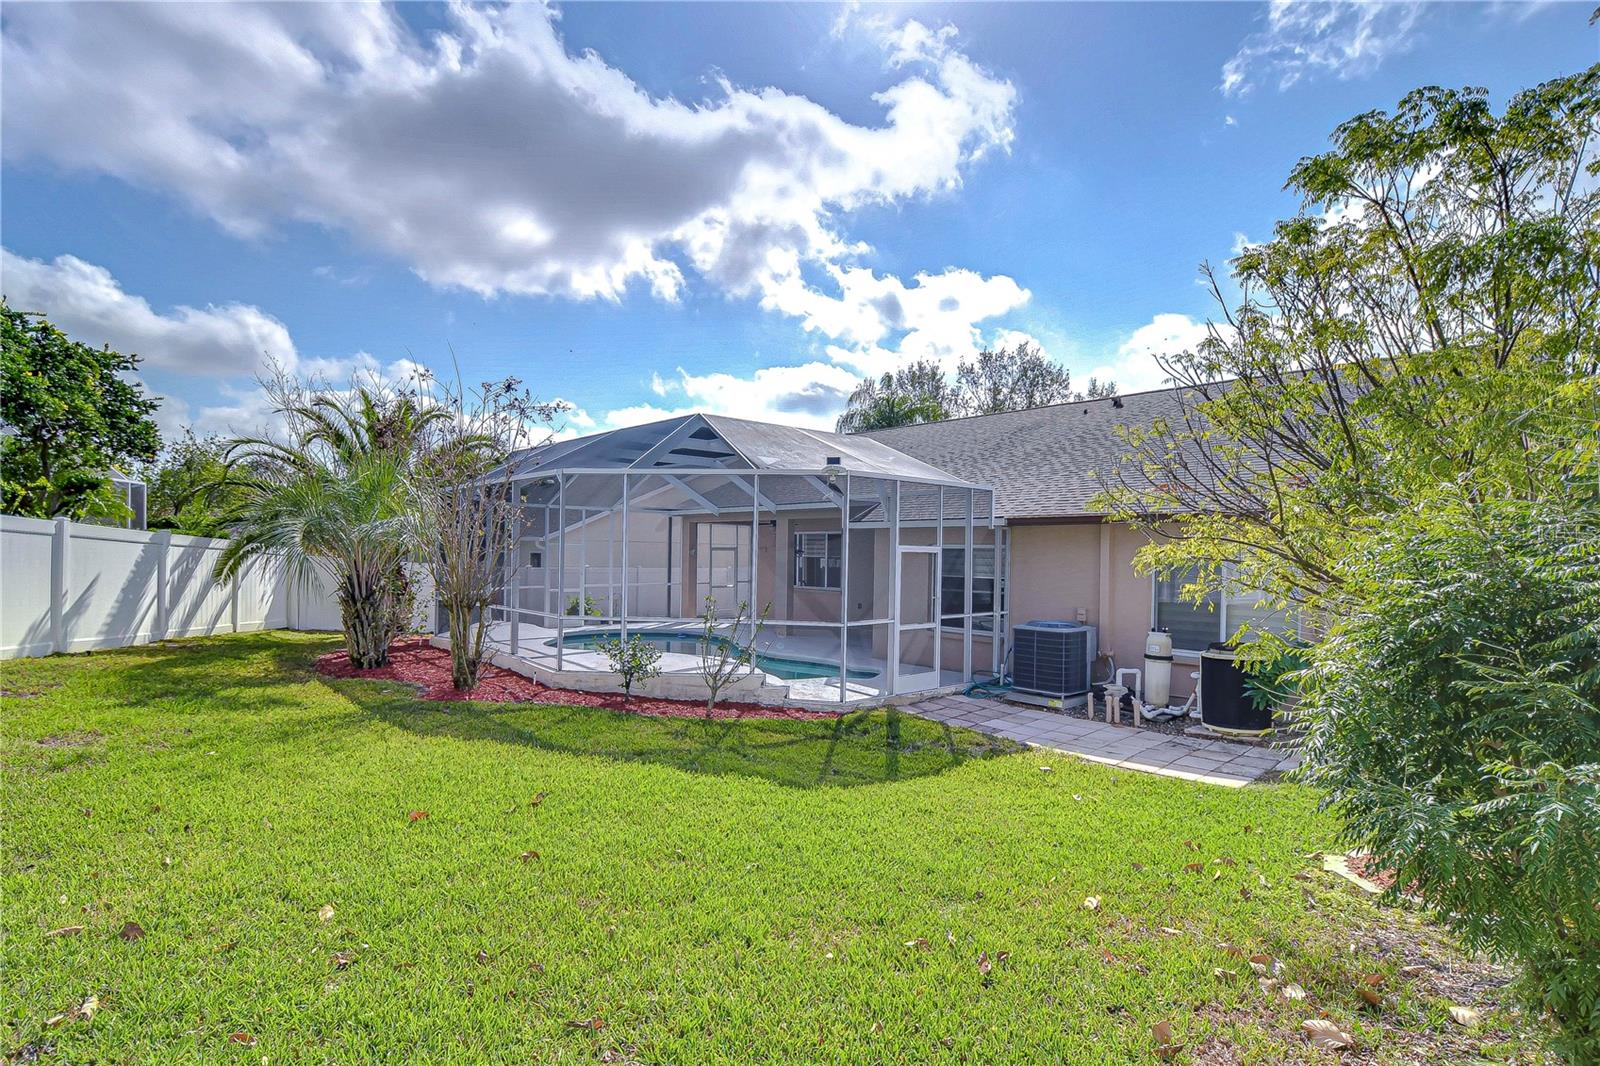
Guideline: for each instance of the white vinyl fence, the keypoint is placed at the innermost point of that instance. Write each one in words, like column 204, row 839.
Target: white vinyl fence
column 67, row 587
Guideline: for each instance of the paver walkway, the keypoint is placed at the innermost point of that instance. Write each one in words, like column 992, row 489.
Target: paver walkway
column 1215, row 762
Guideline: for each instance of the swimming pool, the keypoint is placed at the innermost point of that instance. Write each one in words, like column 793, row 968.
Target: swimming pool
column 682, row 643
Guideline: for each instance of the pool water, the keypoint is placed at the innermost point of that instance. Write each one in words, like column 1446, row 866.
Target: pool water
column 688, row 644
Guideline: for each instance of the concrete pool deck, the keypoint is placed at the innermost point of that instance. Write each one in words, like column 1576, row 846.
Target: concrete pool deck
column 1212, row 762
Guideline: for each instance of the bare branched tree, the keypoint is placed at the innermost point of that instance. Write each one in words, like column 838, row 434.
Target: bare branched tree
column 724, row 658
column 469, row 507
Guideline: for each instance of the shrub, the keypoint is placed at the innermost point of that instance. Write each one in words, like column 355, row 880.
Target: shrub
column 634, row 659
column 724, row 658
column 1454, row 723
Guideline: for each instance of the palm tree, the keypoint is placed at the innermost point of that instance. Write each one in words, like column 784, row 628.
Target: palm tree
column 912, row 394
column 335, row 499
column 348, row 522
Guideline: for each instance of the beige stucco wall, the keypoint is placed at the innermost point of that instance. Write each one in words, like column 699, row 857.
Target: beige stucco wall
column 1056, row 572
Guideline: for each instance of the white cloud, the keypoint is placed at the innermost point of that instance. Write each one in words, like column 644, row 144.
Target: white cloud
column 87, row 303
column 1306, row 38
column 1135, row 368
column 488, row 157
column 231, row 341
column 810, row 395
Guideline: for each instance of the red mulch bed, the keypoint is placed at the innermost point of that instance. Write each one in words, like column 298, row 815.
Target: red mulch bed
column 416, row 662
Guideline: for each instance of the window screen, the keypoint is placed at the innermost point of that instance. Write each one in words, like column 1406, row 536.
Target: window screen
column 817, row 560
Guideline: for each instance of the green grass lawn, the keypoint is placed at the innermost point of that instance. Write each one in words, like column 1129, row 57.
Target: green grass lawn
column 690, row 891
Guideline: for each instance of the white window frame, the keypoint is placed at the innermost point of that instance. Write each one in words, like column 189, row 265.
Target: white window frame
column 830, row 537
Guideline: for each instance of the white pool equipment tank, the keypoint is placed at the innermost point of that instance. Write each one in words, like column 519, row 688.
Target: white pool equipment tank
column 1158, row 668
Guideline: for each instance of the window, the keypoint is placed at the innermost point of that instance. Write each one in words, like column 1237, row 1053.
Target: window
column 952, row 571
column 1194, row 626
column 536, row 559
column 817, row 560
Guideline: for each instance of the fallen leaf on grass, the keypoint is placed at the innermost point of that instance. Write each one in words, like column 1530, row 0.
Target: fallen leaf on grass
column 1138, row 867
column 1370, row 994
column 342, row 959
column 528, row 856
column 65, row 930
column 416, row 816
column 242, row 1037
column 1191, row 845
column 1170, row 931
column 538, row 799
column 1326, row 1035
column 1231, row 949
column 1300, row 875
column 1225, row 860
column 1225, row 975
column 482, row 957
column 1412, row 971
column 1106, row 956
column 1044, row 769
column 325, row 913
column 131, row 931
column 594, row 1024
column 1162, row 1034
column 1294, row 992
column 1464, row 1016
column 1193, row 867
column 920, row 942
column 1092, row 903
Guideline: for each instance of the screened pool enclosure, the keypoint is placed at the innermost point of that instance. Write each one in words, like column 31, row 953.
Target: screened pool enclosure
column 878, row 574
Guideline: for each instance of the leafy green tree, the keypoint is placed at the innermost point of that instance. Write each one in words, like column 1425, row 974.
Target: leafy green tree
column 1393, row 431
column 1017, row 378
column 70, row 416
column 905, row 397
column 1454, row 723
column 996, row 380
column 191, row 488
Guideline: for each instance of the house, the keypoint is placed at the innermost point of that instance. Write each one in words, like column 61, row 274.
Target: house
column 1067, row 559
column 889, row 564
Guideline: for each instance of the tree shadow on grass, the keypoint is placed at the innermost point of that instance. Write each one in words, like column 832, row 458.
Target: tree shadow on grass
column 253, row 682
column 861, row 748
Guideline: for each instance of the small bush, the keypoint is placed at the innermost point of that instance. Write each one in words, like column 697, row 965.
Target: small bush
column 1455, row 722
column 634, row 659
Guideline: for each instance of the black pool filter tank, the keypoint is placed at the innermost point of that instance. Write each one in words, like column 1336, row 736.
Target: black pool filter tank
column 1225, row 706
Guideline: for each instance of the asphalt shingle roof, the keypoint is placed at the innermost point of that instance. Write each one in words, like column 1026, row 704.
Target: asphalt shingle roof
column 1043, row 463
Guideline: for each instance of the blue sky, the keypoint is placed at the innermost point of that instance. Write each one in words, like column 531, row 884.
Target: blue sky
column 643, row 209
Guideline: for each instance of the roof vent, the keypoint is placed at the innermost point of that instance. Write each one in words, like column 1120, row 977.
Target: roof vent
column 1116, row 401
